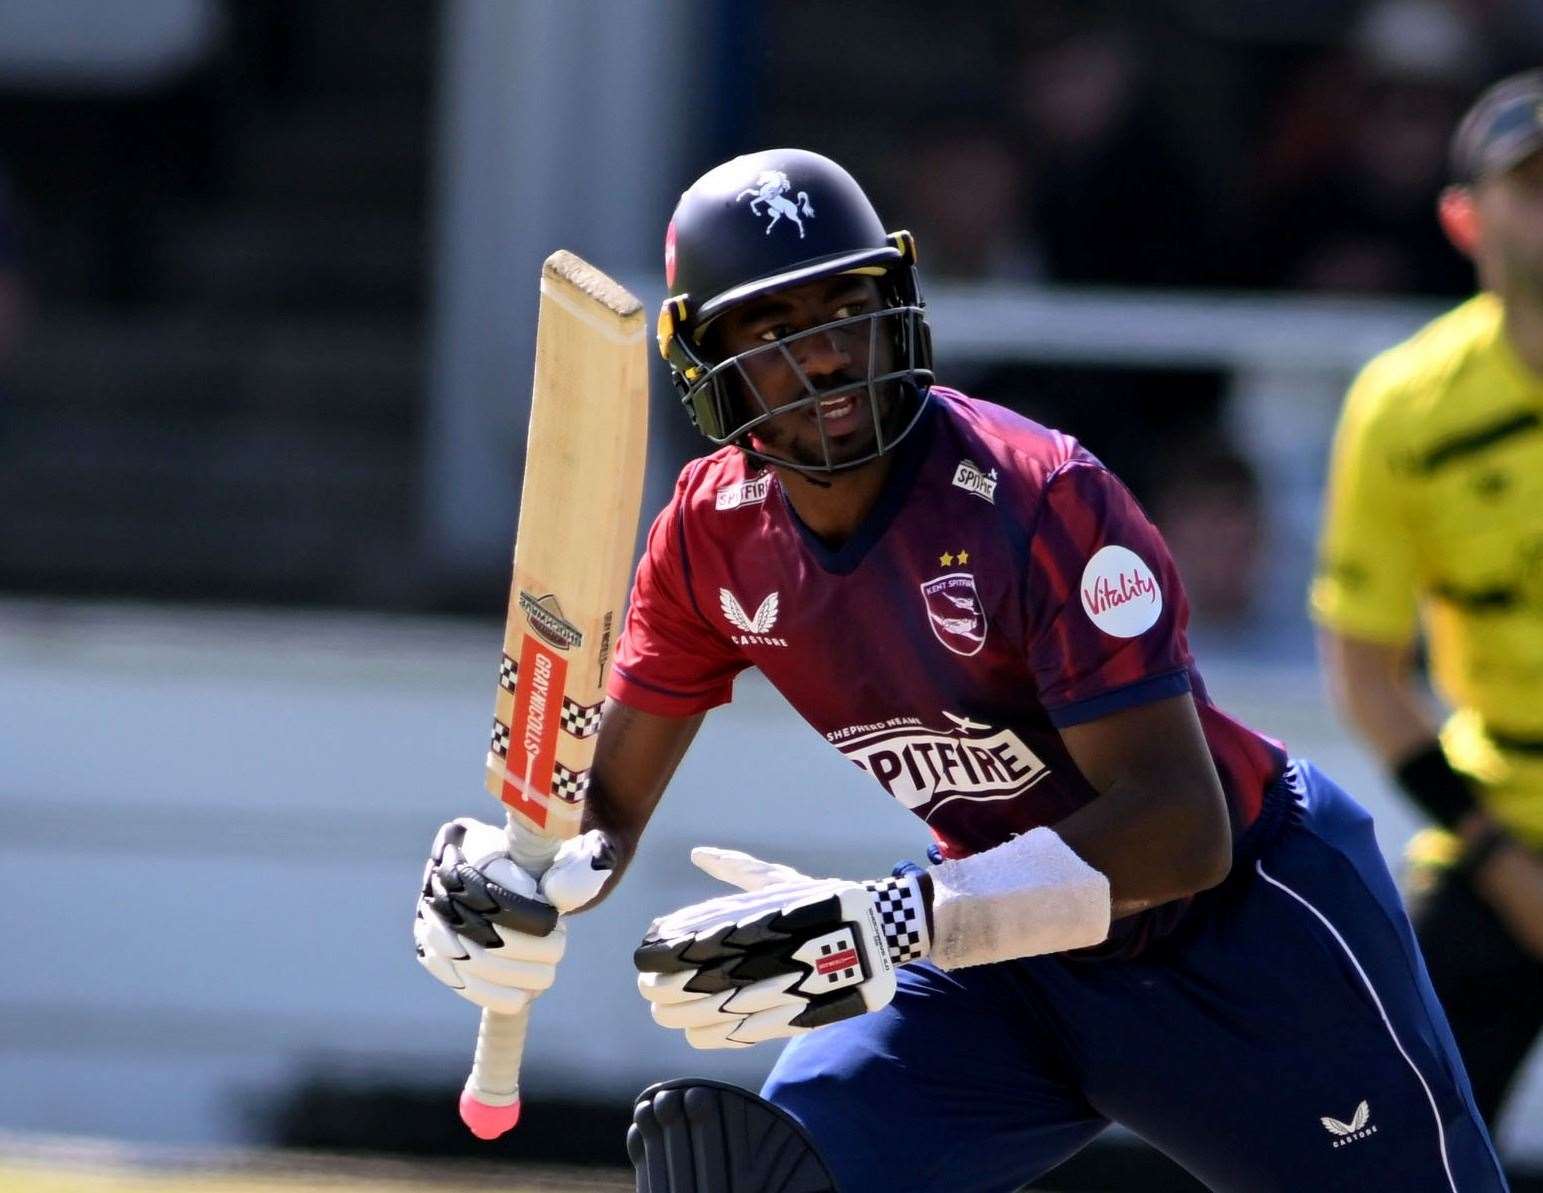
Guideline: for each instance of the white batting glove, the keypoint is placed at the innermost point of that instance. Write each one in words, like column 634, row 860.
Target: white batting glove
column 789, row 954
column 486, row 928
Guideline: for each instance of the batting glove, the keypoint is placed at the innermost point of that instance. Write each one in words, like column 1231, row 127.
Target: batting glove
column 789, row 954
column 488, row 929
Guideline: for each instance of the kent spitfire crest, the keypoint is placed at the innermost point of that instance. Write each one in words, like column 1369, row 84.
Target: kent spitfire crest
column 954, row 612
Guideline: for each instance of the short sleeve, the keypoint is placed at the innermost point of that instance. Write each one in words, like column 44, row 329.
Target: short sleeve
column 669, row 660
column 1365, row 584
column 1107, row 614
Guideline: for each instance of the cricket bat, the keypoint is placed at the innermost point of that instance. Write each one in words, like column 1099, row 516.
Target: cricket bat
column 578, row 522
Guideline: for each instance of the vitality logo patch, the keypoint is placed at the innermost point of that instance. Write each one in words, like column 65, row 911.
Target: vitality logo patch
column 1119, row 592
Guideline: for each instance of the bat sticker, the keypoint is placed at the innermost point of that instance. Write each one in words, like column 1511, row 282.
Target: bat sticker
column 545, row 617
column 532, row 748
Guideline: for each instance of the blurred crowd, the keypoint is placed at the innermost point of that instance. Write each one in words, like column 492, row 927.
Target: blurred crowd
column 187, row 164
column 1199, row 144
column 12, row 299
column 1130, row 147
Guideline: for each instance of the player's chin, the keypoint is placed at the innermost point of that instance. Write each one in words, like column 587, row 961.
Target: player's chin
column 839, row 449
column 804, row 440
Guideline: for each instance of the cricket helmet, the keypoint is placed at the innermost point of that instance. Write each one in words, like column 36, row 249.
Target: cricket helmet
column 764, row 222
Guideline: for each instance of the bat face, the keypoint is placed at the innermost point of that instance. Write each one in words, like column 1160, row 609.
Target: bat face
column 579, row 508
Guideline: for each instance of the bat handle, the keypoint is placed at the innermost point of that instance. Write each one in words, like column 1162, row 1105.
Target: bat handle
column 490, row 1103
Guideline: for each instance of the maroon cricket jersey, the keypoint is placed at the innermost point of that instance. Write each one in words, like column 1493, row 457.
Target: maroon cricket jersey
column 1004, row 585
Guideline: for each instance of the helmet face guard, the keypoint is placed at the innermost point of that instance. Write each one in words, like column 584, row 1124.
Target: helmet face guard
column 727, row 406
column 771, row 221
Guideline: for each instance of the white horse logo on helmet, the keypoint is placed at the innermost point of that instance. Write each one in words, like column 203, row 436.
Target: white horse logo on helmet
column 771, row 187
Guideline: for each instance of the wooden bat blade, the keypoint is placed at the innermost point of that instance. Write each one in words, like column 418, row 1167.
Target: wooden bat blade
column 579, row 504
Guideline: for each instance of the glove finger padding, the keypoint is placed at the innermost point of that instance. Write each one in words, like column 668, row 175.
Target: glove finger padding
column 774, row 1024
column 513, row 965
column 473, row 883
column 437, row 949
column 727, row 910
column 706, row 1039
column 668, row 988
column 579, row 870
column 506, row 1000
column 799, row 955
column 703, row 1010
column 481, row 928
column 742, row 870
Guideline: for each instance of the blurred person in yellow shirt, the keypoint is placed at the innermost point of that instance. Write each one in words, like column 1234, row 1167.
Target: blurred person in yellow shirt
column 1434, row 531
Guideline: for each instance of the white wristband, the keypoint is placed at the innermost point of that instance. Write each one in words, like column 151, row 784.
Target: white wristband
column 1027, row 896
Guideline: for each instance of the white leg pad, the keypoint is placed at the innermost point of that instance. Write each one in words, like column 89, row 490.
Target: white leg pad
column 1027, row 896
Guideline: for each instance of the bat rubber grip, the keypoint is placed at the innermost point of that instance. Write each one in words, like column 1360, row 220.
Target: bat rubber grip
column 490, row 1103
column 488, row 1122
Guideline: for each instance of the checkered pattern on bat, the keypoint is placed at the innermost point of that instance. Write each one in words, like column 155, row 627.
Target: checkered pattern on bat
column 570, row 785
column 581, row 720
column 500, row 742
column 904, row 918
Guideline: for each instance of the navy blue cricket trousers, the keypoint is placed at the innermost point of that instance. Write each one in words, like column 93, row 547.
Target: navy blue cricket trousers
column 1284, row 1038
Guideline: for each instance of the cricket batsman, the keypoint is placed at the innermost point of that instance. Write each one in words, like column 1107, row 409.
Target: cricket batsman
column 1435, row 515
column 1136, row 909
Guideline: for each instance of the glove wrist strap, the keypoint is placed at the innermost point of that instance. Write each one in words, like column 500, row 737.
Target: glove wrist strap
column 903, row 913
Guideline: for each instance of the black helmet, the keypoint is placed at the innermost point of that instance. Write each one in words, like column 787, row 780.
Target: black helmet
column 763, row 222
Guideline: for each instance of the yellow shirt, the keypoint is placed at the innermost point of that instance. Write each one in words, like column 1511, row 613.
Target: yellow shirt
column 1435, row 514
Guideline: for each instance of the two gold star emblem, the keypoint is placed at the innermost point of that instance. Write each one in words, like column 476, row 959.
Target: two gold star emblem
column 948, row 558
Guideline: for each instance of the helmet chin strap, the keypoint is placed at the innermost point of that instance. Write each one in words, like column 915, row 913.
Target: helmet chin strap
column 811, row 473
column 815, row 474
column 811, row 477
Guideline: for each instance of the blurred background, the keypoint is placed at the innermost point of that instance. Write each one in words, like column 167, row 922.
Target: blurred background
column 267, row 298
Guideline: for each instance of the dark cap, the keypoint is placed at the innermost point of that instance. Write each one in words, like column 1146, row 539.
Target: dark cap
column 1504, row 125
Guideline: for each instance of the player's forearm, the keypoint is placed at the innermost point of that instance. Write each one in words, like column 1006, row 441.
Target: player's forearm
column 1509, row 877
column 1159, row 829
column 635, row 758
column 1153, row 849
column 623, row 828
column 1375, row 688
column 1373, row 685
